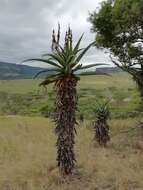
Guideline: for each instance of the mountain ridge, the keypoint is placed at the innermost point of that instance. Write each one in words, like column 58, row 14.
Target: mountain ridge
column 17, row 71
column 9, row 71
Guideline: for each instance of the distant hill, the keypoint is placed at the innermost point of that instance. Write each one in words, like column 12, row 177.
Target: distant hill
column 108, row 69
column 17, row 71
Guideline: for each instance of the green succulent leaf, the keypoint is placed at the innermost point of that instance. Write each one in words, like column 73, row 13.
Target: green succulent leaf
column 78, row 67
column 70, row 59
column 83, row 52
column 76, row 49
column 44, row 61
column 46, row 71
column 93, row 65
column 93, row 73
column 57, row 57
column 46, row 82
column 45, row 55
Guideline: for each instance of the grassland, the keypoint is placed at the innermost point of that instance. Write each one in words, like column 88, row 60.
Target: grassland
column 121, row 80
column 25, row 97
column 28, row 157
column 27, row 144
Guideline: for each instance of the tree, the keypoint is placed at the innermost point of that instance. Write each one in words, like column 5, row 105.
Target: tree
column 118, row 25
column 65, row 71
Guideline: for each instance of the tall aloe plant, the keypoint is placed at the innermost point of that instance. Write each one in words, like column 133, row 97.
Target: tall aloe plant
column 66, row 69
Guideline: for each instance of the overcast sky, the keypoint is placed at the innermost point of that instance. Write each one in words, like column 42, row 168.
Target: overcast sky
column 26, row 26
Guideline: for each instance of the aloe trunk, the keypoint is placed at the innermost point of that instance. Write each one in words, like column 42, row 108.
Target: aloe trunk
column 66, row 105
column 101, row 132
column 139, row 81
column 140, row 87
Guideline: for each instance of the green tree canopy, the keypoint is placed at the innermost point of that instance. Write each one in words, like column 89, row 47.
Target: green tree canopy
column 118, row 25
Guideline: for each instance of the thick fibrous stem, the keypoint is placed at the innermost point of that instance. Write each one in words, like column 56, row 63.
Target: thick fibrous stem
column 101, row 131
column 139, row 81
column 140, row 86
column 66, row 105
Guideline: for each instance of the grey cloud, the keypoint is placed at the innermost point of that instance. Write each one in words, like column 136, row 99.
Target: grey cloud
column 26, row 25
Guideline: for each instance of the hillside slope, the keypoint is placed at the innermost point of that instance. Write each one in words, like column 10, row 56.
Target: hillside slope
column 15, row 71
column 18, row 71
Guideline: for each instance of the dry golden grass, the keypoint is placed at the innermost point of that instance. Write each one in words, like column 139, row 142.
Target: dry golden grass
column 28, row 157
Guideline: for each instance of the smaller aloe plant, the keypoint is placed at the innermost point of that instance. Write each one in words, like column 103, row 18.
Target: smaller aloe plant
column 101, row 126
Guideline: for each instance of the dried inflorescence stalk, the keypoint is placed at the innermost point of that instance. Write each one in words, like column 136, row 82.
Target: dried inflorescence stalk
column 56, row 39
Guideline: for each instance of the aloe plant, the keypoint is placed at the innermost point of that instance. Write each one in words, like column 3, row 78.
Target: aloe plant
column 65, row 68
column 101, row 126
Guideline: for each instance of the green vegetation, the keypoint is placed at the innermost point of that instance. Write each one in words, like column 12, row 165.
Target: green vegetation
column 27, row 144
column 24, row 97
column 118, row 26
